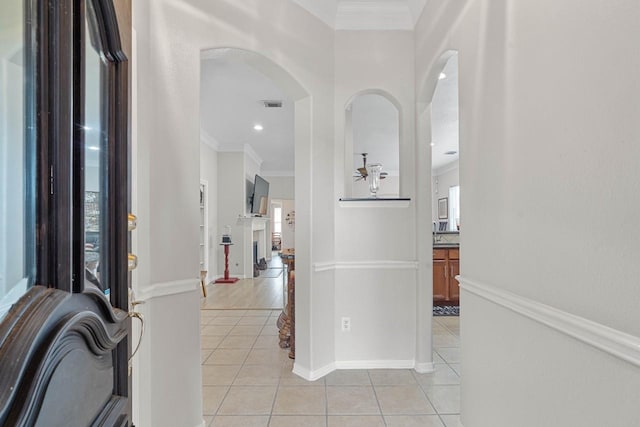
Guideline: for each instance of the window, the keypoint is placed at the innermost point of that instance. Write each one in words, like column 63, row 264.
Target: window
column 17, row 203
column 277, row 220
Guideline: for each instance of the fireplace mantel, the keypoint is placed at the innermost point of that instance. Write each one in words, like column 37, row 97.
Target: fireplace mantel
column 256, row 230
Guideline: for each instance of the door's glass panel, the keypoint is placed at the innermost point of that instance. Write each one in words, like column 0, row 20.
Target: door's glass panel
column 16, row 184
column 95, row 139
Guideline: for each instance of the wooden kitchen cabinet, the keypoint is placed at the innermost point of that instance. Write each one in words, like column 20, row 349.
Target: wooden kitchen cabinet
column 440, row 285
column 446, row 265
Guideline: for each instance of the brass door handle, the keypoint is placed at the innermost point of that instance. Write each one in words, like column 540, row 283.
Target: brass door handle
column 132, row 222
column 132, row 262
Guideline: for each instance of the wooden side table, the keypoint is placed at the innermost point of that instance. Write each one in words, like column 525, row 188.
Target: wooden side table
column 226, row 278
column 286, row 320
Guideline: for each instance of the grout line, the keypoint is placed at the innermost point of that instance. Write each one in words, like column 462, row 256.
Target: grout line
column 375, row 393
column 326, row 403
column 326, row 386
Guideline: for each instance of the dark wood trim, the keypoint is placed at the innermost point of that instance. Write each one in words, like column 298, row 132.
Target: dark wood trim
column 64, row 342
column 50, row 332
column 54, row 147
column 79, row 146
column 60, row 140
column 31, row 135
column 38, row 87
column 115, row 117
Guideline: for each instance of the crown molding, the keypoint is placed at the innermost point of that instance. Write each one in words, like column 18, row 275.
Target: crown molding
column 381, row 15
column 324, row 10
column 249, row 151
column 246, row 149
column 416, row 7
column 207, row 139
column 365, row 15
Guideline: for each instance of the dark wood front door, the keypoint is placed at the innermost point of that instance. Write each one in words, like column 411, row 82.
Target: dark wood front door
column 64, row 196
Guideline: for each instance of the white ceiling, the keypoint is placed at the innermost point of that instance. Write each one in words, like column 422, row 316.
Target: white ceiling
column 366, row 14
column 231, row 104
column 232, row 92
column 444, row 117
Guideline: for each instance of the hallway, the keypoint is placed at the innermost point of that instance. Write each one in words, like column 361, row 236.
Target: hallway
column 263, row 292
column 247, row 381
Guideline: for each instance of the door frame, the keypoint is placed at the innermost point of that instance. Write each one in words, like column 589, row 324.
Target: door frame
column 64, row 314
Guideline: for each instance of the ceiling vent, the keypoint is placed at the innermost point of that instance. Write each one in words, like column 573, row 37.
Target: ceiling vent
column 272, row 104
column 451, row 153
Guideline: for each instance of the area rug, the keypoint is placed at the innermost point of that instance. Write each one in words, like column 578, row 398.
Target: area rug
column 446, row 310
column 271, row 273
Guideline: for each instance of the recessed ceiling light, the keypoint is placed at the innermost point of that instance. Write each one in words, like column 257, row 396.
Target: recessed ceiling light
column 433, row 144
column 258, row 127
column 450, row 153
column 93, row 148
column 442, row 76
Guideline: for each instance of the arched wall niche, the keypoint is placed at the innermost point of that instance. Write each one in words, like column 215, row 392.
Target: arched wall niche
column 373, row 120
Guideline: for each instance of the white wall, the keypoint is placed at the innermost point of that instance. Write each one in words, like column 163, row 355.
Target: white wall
column 167, row 144
column 209, row 172
column 288, row 231
column 543, row 127
column 375, row 247
column 281, row 187
column 170, row 37
column 231, row 204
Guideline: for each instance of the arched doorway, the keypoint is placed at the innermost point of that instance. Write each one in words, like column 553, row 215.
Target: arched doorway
column 446, row 115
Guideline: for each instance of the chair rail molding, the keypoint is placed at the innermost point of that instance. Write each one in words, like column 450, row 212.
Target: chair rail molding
column 612, row 341
column 167, row 288
column 368, row 265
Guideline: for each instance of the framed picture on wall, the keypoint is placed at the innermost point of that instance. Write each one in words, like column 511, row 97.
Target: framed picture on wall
column 443, row 208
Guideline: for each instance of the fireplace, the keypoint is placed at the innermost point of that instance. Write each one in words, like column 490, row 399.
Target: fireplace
column 256, row 272
column 254, row 235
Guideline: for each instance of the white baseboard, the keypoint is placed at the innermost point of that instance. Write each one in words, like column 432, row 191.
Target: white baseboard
column 313, row 375
column 612, row 341
column 425, row 368
column 375, row 364
column 422, row 368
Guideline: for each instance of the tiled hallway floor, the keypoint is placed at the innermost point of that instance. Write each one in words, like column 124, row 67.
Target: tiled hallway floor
column 247, row 381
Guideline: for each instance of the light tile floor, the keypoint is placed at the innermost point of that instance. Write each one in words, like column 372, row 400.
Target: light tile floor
column 247, row 381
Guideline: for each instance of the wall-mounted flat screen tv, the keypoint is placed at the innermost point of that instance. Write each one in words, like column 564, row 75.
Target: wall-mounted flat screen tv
column 260, row 196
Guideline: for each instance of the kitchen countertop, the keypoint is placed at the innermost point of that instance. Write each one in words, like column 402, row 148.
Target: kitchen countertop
column 446, row 245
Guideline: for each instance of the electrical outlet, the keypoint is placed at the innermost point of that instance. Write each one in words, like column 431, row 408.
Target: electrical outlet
column 346, row 324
